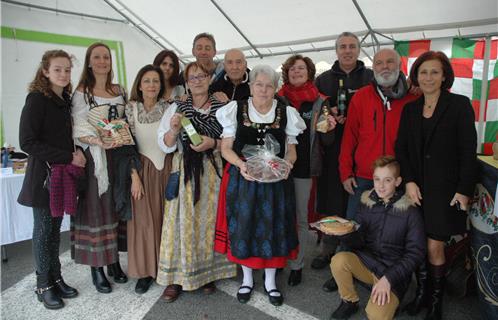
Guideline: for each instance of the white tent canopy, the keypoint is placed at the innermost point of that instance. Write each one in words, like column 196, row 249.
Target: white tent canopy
column 270, row 29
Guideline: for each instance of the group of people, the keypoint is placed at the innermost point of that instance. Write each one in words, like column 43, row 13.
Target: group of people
column 188, row 213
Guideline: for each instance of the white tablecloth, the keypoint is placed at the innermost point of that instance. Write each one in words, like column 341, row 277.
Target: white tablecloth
column 17, row 220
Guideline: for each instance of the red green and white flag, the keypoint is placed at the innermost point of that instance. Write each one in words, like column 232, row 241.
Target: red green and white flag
column 467, row 59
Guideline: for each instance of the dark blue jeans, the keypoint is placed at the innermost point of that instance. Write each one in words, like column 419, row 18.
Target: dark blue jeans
column 354, row 200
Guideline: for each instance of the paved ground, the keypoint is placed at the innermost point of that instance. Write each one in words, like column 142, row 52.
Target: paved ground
column 304, row 302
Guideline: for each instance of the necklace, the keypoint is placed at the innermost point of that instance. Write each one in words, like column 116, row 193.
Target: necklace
column 261, row 126
column 430, row 104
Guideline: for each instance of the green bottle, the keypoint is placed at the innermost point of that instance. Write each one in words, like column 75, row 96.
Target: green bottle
column 341, row 98
column 195, row 138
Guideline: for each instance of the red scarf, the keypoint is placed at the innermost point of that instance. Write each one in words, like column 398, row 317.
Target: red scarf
column 308, row 92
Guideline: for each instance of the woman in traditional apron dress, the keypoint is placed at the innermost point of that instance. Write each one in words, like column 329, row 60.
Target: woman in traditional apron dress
column 144, row 113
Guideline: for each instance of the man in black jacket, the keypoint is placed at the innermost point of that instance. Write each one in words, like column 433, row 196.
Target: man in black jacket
column 233, row 83
column 331, row 196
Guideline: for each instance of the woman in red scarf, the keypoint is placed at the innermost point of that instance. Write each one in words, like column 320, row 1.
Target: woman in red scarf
column 298, row 73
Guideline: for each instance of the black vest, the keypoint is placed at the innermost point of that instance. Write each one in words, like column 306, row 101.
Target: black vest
column 252, row 133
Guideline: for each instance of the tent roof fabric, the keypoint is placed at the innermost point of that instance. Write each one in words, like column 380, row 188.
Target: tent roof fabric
column 281, row 27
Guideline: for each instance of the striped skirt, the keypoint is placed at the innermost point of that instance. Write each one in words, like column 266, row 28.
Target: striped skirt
column 94, row 228
column 187, row 257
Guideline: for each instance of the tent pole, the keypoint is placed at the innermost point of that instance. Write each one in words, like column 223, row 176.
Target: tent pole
column 71, row 13
column 237, row 28
column 332, row 48
column 429, row 27
column 366, row 54
column 440, row 26
column 383, row 35
column 364, row 37
column 154, row 39
column 484, row 91
column 372, row 33
column 142, row 22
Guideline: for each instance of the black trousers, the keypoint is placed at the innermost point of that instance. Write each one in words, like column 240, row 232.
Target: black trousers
column 46, row 241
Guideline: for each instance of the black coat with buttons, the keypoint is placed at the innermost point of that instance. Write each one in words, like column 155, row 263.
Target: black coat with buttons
column 443, row 164
column 45, row 134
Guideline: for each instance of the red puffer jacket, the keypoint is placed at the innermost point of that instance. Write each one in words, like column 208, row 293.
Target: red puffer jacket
column 370, row 132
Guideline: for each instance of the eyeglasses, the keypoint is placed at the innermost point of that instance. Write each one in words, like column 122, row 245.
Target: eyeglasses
column 199, row 78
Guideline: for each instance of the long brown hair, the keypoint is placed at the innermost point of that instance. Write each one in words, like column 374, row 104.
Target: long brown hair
column 40, row 82
column 87, row 79
column 174, row 80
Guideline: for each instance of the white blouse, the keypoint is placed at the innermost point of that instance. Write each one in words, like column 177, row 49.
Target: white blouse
column 227, row 117
column 85, row 118
column 164, row 127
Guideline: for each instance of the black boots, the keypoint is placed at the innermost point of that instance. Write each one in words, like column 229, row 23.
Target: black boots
column 143, row 285
column 345, row 310
column 295, row 277
column 420, row 301
column 436, row 282
column 330, row 285
column 100, row 281
column 63, row 290
column 46, row 292
column 114, row 270
column 49, row 297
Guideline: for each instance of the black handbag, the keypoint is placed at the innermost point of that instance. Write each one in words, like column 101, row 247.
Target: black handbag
column 173, row 185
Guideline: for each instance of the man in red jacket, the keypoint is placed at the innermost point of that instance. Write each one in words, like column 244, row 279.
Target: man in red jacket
column 372, row 126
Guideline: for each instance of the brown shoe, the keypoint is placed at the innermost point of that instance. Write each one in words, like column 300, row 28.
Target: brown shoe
column 209, row 288
column 171, row 292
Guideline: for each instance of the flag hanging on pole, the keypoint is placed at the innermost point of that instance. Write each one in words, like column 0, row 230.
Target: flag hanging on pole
column 467, row 59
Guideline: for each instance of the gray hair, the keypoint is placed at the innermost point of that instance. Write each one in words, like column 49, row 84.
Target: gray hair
column 346, row 34
column 206, row 35
column 264, row 69
column 398, row 57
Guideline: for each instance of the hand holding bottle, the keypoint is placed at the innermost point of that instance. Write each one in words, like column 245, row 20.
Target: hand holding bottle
column 340, row 119
column 206, row 143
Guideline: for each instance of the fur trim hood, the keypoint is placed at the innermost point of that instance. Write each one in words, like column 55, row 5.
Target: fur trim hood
column 402, row 204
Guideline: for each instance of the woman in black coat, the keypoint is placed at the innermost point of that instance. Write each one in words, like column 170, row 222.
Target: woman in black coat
column 436, row 147
column 45, row 133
